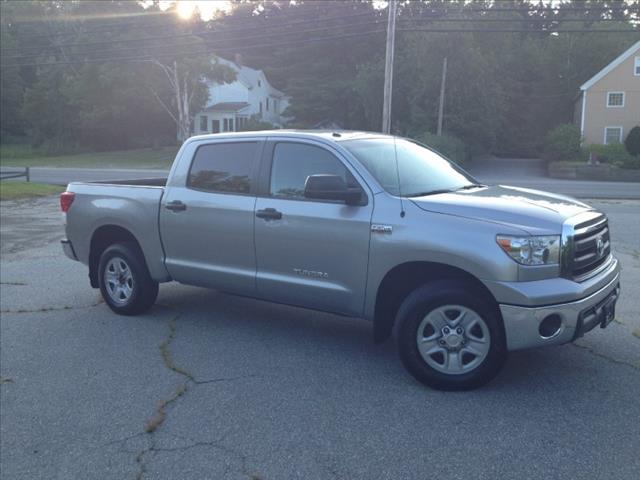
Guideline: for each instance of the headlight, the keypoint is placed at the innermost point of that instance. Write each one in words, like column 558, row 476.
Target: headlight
column 532, row 250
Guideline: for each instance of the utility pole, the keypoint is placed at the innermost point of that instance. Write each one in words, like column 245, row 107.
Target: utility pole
column 441, row 107
column 388, row 68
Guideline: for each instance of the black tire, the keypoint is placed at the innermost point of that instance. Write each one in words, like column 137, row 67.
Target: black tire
column 143, row 289
column 428, row 298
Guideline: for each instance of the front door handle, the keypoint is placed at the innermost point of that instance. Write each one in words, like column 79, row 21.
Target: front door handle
column 269, row 214
column 175, row 206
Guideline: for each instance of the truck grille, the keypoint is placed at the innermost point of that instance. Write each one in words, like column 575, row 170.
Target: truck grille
column 591, row 248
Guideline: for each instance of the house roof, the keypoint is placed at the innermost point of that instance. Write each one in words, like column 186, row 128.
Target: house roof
column 226, row 107
column 621, row 58
column 249, row 76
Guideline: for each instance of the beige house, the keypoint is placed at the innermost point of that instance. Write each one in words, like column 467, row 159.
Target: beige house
column 609, row 103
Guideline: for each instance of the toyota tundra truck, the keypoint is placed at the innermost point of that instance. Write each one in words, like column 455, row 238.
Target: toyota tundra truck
column 361, row 225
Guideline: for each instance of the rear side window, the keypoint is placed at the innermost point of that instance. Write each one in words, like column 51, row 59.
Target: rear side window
column 294, row 162
column 224, row 167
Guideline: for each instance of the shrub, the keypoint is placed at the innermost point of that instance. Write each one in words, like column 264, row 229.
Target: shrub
column 563, row 143
column 254, row 123
column 615, row 154
column 632, row 141
column 451, row 147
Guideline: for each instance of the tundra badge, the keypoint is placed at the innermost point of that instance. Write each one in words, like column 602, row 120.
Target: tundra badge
column 375, row 228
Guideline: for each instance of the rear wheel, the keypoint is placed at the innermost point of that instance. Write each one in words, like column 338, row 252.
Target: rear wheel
column 449, row 338
column 125, row 282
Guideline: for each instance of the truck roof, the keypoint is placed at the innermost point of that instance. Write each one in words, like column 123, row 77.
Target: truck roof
column 331, row 135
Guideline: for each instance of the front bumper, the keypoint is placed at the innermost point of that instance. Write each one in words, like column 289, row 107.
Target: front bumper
column 67, row 247
column 522, row 324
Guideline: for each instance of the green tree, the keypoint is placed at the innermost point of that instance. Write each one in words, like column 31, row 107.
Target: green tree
column 632, row 142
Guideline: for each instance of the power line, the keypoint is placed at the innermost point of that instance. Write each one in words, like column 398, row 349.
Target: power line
column 355, row 15
column 520, row 30
column 195, row 44
column 201, row 32
column 310, row 40
column 510, row 20
column 117, row 26
column 189, row 54
column 261, row 36
column 560, row 8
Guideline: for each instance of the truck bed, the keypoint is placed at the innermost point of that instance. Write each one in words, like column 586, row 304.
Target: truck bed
column 140, row 182
column 132, row 205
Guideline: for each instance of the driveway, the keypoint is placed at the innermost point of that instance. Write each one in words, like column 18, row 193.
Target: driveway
column 213, row 386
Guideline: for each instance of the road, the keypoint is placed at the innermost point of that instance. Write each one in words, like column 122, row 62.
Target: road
column 235, row 388
column 495, row 172
column 63, row 176
column 531, row 173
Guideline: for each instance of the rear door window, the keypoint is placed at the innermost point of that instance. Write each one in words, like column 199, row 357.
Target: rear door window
column 224, row 167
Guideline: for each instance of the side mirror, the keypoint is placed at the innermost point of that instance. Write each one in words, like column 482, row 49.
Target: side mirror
column 331, row 187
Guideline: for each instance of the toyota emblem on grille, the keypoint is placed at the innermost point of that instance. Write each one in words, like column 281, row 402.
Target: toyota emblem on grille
column 600, row 246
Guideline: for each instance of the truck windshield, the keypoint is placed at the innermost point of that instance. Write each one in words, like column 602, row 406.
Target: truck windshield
column 419, row 171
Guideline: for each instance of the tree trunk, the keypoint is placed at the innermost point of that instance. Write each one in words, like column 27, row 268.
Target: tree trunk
column 180, row 86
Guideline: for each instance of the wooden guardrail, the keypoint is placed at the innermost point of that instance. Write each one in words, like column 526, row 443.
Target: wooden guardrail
column 15, row 173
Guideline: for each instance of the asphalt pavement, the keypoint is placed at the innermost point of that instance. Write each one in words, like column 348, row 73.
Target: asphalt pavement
column 212, row 386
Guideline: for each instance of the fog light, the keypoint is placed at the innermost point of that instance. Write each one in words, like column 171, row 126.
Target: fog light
column 550, row 326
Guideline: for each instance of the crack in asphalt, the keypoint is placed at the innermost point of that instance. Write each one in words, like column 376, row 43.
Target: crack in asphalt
column 214, row 445
column 617, row 361
column 21, row 284
column 53, row 309
column 160, row 414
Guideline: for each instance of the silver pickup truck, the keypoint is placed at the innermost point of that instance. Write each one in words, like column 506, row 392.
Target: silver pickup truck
column 362, row 225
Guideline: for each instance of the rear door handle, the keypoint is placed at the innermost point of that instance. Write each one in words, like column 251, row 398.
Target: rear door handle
column 175, row 206
column 269, row 214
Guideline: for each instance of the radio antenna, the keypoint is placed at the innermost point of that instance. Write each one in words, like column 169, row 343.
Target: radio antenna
column 395, row 154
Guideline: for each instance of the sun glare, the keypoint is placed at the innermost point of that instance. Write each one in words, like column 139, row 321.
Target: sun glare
column 185, row 9
column 207, row 9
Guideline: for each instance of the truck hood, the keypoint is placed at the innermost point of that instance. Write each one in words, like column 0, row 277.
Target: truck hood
column 534, row 211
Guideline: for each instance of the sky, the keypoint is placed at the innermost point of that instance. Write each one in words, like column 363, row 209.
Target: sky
column 210, row 9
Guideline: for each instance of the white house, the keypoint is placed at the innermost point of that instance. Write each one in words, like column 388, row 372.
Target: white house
column 231, row 105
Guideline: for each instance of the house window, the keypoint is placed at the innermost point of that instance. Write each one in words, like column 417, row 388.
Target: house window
column 612, row 135
column 267, row 104
column 636, row 67
column 275, row 105
column 259, row 83
column 215, row 126
column 203, row 123
column 225, row 125
column 615, row 99
column 260, row 108
column 231, row 129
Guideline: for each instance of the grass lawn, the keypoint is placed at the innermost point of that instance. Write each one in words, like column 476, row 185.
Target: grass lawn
column 15, row 190
column 24, row 156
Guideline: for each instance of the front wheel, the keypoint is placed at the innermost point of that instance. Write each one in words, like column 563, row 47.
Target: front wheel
column 449, row 338
column 125, row 282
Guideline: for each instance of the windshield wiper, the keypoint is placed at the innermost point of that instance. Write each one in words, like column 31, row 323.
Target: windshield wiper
column 430, row 192
column 472, row 185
